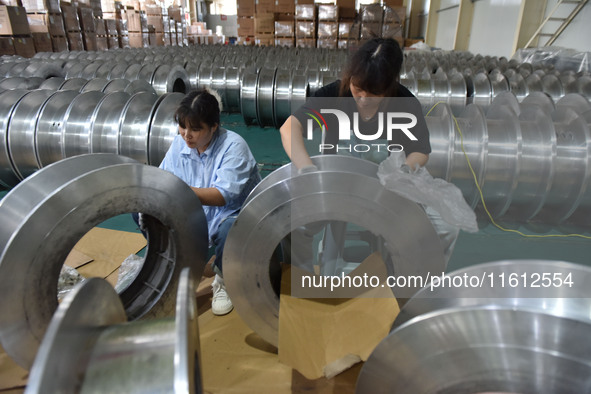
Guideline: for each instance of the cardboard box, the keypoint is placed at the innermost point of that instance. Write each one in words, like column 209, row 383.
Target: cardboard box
column 305, row 12
column 51, row 23
column 304, row 2
column 285, row 6
column 99, row 27
column 102, row 43
column 342, row 44
column 265, row 6
column 285, row 42
column 136, row 40
column 75, row 42
column 328, row 30
column 7, row 46
column 372, row 13
column 305, row 29
column 133, row 21
column 245, row 8
column 89, row 39
column 13, row 3
column 264, row 23
column 111, row 27
column 41, row 5
column 86, row 18
column 42, row 42
column 346, row 3
column 59, row 43
column 158, row 40
column 305, row 42
column 285, row 29
column 13, row 22
column 107, row 6
column 344, row 29
column 245, row 27
column 38, row 23
column 371, row 29
column 264, row 39
column 24, row 46
column 326, row 42
column 347, row 12
column 328, row 12
column 71, row 21
column 157, row 22
column 396, row 14
column 113, row 42
column 176, row 14
column 153, row 9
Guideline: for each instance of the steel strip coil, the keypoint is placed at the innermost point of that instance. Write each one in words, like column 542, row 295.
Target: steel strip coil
column 134, row 128
column 52, row 83
column 264, row 96
column 21, row 132
column 481, row 350
column 51, row 210
column 50, row 127
column 106, row 123
column 90, row 327
column 8, row 173
column 73, row 84
column 95, row 84
column 301, row 200
column 248, row 95
column 163, row 127
column 78, row 120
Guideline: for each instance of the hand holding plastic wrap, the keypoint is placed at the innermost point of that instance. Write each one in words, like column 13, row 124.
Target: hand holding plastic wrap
column 419, row 186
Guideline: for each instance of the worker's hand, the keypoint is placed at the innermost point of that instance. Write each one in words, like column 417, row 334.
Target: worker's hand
column 307, row 169
column 408, row 169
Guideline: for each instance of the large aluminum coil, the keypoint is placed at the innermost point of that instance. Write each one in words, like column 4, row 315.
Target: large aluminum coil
column 8, row 173
column 106, row 124
column 76, row 136
column 46, row 215
column 163, row 127
column 90, row 339
column 479, row 350
column 290, row 203
column 520, row 284
column 135, row 126
column 167, row 78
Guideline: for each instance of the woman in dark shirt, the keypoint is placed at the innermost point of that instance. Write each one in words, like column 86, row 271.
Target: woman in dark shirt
column 373, row 99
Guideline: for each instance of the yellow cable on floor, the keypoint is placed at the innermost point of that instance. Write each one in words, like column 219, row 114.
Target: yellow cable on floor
column 482, row 195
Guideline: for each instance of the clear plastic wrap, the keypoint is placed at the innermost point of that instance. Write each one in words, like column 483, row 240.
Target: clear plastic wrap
column 128, row 270
column 69, row 278
column 419, row 186
column 561, row 59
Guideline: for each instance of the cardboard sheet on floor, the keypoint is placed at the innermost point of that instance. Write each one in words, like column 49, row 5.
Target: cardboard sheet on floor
column 107, row 249
column 324, row 336
column 12, row 376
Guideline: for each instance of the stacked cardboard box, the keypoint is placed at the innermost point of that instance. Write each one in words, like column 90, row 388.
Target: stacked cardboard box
column 305, row 24
column 72, row 26
column 87, row 26
column 328, row 25
column 245, row 11
column 155, row 18
column 347, row 15
column 15, row 32
column 134, row 28
column 42, row 24
column 285, row 23
column 264, row 22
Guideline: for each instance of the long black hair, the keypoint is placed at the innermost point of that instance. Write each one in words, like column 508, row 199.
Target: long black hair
column 197, row 107
column 374, row 68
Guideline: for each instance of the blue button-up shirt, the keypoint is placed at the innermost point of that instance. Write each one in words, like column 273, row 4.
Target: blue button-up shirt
column 227, row 164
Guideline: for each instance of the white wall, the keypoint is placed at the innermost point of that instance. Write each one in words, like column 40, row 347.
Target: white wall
column 577, row 34
column 446, row 26
column 494, row 26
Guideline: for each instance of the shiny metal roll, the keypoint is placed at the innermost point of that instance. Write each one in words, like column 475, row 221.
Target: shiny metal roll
column 218, row 83
column 248, row 95
column 9, row 99
column 265, row 96
column 282, row 97
column 52, row 83
column 21, row 132
column 51, row 210
column 118, row 70
column 106, row 123
column 50, row 127
column 233, row 89
column 147, row 72
column 116, row 85
column 204, row 75
column 89, row 72
column 105, row 70
column 95, row 84
column 76, row 133
column 74, row 69
column 469, row 350
column 296, row 201
column 132, row 71
column 552, row 86
column 169, row 79
column 19, row 83
column 163, row 127
column 139, row 86
column 193, row 72
column 135, row 126
column 73, row 84
column 90, row 327
column 43, row 70
column 570, row 301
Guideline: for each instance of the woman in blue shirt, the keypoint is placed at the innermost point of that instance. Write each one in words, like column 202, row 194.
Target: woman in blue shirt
column 219, row 167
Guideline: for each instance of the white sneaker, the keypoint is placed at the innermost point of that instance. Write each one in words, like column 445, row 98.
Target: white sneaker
column 220, row 303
